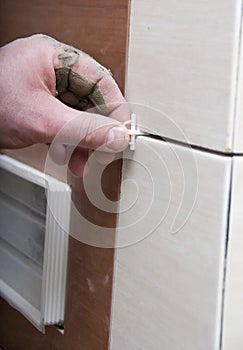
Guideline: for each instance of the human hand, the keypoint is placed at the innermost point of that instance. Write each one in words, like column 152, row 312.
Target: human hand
column 36, row 70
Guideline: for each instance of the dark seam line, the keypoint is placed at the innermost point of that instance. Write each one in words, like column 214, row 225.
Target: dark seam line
column 188, row 145
column 226, row 258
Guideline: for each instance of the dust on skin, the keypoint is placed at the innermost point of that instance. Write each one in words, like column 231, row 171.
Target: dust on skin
column 83, row 89
column 62, row 79
column 79, row 85
column 69, row 81
column 97, row 98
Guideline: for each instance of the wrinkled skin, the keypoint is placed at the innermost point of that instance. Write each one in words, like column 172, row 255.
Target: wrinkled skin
column 41, row 80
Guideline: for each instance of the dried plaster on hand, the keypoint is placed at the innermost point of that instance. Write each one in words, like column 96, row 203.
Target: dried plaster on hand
column 82, row 88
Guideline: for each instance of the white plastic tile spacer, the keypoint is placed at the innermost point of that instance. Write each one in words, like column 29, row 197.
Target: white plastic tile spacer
column 133, row 131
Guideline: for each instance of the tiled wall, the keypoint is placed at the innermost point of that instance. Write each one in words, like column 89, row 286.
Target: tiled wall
column 182, row 290
column 171, row 290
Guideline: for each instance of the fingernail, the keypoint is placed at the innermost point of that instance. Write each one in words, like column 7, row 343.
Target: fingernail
column 117, row 139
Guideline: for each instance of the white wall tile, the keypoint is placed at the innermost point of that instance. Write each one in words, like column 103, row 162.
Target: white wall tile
column 183, row 61
column 168, row 287
column 233, row 305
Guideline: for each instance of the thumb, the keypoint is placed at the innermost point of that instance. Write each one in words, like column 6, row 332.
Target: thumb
column 68, row 126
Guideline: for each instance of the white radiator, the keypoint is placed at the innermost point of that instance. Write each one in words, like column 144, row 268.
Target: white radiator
column 34, row 228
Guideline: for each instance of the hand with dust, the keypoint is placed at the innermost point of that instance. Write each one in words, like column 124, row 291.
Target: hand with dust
column 47, row 88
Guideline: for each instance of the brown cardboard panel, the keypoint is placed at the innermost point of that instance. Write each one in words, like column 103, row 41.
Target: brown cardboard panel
column 99, row 28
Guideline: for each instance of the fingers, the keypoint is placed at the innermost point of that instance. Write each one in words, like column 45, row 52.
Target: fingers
column 70, row 127
column 31, row 70
column 86, row 80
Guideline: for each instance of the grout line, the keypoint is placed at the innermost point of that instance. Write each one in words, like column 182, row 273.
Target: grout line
column 226, row 257
column 194, row 147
